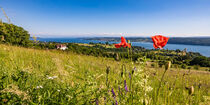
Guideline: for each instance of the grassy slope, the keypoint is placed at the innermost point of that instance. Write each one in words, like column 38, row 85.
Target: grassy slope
column 70, row 68
column 44, row 62
column 73, row 69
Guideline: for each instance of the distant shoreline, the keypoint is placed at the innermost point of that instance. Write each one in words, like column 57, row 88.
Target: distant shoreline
column 201, row 41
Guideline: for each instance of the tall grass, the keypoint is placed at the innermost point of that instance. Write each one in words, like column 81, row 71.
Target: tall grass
column 29, row 76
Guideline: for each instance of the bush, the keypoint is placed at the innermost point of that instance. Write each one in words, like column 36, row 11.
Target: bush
column 201, row 60
column 196, row 67
column 184, row 66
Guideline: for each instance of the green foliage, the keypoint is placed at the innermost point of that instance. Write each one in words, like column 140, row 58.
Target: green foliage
column 196, row 67
column 161, row 63
column 184, row 66
column 201, row 60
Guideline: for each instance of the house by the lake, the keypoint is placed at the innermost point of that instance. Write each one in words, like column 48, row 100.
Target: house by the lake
column 62, row 47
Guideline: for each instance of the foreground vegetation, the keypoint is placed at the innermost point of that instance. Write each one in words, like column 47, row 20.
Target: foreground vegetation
column 31, row 76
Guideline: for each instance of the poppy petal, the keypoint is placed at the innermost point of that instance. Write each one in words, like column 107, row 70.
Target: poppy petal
column 118, row 45
column 159, row 41
column 123, row 40
column 123, row 43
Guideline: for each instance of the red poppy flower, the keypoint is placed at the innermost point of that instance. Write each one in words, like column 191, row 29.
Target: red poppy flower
column 123, row 43
column 159, row 41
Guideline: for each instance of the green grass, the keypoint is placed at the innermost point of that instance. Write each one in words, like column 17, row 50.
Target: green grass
column 30, row 76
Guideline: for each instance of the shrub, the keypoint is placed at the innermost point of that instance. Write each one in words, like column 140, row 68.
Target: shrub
column 201, row 60
column 184, row 66
column 196, row 67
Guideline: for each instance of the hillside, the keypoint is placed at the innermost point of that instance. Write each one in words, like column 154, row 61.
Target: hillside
column 55, row 77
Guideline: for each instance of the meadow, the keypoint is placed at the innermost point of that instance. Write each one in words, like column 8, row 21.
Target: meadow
column 34, row 77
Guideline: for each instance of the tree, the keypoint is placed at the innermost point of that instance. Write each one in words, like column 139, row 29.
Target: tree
column 13, row 34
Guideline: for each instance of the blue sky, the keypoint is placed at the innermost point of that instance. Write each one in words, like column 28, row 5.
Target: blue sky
column 74, row 18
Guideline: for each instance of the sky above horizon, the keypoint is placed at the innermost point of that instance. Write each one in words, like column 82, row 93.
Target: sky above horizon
column 77, row 18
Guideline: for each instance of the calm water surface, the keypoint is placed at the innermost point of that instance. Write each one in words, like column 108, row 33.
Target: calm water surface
column 204, row 50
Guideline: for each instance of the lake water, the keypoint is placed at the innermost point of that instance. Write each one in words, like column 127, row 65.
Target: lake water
column 204, row 50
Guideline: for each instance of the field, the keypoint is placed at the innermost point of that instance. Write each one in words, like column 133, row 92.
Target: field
column 31, row 76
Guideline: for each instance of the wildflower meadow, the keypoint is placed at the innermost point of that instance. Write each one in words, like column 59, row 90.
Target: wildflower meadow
column 31, row 76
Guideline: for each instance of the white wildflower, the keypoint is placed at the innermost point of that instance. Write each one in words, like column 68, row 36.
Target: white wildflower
column 141, row 79
column 50, row 78
column 53, row 77
column 38, row 87
column 69, row 96
column 149, row 88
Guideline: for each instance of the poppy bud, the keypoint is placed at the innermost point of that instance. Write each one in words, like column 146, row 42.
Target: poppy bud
column 191, row 91
column 129, row 41
column 117, row 58
column 122, row 74
column 132, row 71
column 107, row 70
column 168, row 65
column 199, row 85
